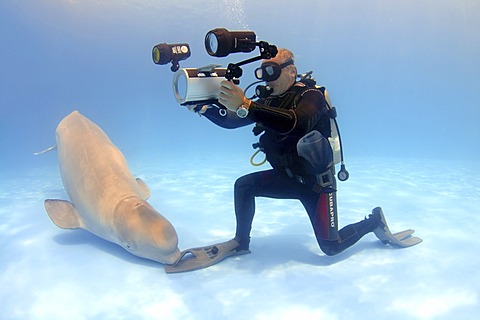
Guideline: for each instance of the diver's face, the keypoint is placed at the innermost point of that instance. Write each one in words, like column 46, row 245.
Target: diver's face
column 284, row 81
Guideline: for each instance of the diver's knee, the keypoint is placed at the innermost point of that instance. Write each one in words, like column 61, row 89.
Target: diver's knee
column 330, row 248
column 244, row 182
column 240, row 182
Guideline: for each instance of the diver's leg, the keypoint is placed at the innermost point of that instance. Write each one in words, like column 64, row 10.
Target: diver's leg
column 269, row 183
column 322, row 210
column 244, row 199
column 348, row 236
column 325, row 222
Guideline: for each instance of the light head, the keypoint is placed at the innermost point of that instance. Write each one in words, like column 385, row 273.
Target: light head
column 220, row 42
column 164, row 53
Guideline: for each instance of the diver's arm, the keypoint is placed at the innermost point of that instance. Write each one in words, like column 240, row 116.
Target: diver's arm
column 279, row 120
column 284, row 121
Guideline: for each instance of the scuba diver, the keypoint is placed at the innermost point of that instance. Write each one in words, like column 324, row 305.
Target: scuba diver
column 290, row 110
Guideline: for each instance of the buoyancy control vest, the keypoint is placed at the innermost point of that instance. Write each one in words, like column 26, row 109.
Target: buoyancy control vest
column 313, row 154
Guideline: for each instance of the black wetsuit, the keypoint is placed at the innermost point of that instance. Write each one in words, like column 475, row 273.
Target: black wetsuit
column 282, row 121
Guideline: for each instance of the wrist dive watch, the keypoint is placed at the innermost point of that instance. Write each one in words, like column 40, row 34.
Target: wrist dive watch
column 242, row 111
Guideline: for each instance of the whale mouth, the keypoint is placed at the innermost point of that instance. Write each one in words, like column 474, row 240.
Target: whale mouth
column 173, row 257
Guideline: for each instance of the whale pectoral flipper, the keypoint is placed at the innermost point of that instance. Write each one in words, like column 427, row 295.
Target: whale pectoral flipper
column 144, row 188
column 63, row 214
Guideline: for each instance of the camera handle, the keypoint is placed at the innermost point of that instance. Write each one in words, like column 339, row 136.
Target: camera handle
column 234, row 70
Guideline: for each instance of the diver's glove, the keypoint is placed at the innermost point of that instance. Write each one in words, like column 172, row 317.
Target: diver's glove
column 199, row 108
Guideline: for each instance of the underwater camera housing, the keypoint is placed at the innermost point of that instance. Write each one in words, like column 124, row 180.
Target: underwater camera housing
column 198, row 85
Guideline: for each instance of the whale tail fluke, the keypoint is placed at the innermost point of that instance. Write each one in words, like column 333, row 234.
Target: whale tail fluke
column 44, row 151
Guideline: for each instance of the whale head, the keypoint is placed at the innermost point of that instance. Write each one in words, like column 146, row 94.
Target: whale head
column 144, row 232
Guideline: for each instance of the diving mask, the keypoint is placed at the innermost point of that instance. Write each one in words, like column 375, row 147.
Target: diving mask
column 270, row 71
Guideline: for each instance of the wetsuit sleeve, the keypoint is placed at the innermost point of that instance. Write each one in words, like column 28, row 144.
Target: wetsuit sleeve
column 300, row 120
column 225, row 118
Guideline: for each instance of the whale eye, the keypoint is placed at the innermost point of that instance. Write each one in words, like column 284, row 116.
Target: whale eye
column 128, row 246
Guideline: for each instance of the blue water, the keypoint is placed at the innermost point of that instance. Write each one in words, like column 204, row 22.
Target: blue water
column 405, row 78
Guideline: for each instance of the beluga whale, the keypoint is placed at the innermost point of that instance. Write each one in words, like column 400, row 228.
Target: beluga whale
column 105, row 198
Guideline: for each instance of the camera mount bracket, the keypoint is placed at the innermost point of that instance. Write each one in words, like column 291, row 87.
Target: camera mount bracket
column 234, row 70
